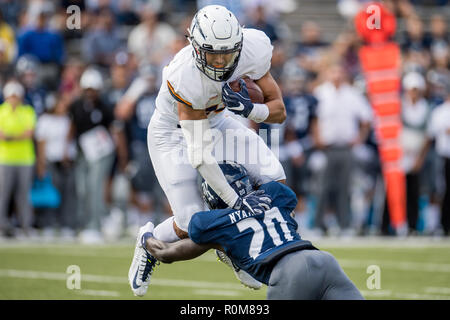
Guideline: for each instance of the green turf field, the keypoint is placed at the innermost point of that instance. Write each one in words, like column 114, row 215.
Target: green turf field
column 409, row 269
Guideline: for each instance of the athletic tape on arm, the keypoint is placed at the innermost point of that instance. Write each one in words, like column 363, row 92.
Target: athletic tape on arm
column 194, row 132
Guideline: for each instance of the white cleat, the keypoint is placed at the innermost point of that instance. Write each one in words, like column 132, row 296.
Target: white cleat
column 246, row 279
column 143, row 263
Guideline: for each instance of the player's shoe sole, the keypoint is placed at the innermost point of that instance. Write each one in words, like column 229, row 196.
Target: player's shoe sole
column 143, row 263
column 246, row 279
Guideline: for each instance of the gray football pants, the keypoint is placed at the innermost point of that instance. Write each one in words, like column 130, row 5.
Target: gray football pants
column 310, row 275
column 16, row 181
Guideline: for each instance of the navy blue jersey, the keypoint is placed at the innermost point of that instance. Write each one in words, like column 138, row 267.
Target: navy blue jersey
column 137, row 126
column 253, row 242
column 300, row 110
column 36, row 99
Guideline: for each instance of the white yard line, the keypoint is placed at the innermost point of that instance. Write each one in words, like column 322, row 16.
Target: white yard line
column 198, row 284
column 202, row 287
column 419, row 296
column 440, row 290
column 97, row 293
column 70, row 253
column 387, row 243
column 208, row 292
column 396, row 265
column 388, row 294
column 376, row 293
column 346, row 263
column 31, row 274
column 207, row 257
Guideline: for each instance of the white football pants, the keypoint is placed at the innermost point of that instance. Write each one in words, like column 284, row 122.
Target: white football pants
column 232, row 141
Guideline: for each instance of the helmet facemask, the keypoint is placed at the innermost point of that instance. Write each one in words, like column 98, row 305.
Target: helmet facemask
column 215, row 73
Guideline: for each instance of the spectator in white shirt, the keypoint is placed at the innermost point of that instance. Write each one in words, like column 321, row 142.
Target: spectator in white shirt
column 150, row 40
column 438, row 130
column 51, row 131
column 415, row 113
column 344, row 117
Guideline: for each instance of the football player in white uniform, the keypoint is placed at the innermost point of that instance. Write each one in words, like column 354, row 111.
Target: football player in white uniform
column 196, row 105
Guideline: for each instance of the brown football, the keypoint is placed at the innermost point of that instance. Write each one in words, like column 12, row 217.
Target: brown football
column 254, row 91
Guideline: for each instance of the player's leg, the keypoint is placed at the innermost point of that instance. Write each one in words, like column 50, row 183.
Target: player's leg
column 179, row 182
column 177, row 179
column 241, row 144
column 235, row 142
column 292, row 279
column 185, row 200
column 337, row 285
column 310, row 275
column 143, row 263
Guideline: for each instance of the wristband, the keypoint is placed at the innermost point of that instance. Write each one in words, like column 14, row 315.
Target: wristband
column 259, row 113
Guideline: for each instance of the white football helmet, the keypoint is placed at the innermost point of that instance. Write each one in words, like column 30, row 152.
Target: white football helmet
column 216, row 30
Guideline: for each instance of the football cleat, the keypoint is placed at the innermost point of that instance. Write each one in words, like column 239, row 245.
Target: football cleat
column 143, row 263
column 246, row 279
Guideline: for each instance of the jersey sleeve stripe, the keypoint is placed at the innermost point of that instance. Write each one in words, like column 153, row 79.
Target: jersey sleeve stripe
column 176, row 96
column 219, row 110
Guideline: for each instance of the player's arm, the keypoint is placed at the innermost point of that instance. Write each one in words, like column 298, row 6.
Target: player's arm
column 195, row 126
column 273, row 99
column 184, row 249
column 125, row 107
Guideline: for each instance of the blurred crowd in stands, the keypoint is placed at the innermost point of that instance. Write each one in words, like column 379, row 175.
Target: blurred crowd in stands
column 78, row 92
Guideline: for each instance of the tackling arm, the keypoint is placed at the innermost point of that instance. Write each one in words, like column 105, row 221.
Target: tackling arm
column 184, row 249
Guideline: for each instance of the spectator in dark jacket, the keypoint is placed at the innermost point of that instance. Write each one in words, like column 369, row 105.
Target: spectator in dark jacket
column 90, row 123
column 36, row 42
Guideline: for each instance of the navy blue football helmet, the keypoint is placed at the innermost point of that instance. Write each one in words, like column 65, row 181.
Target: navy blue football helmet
column 236, row 176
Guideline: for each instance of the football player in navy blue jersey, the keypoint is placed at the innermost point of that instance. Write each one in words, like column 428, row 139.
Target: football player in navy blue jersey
column 263, row 243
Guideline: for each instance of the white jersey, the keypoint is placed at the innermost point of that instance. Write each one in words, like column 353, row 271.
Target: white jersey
column 183, row 82
column 439, row 129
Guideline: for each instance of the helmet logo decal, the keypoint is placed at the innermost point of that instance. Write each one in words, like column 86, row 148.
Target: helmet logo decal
column 221, row 31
